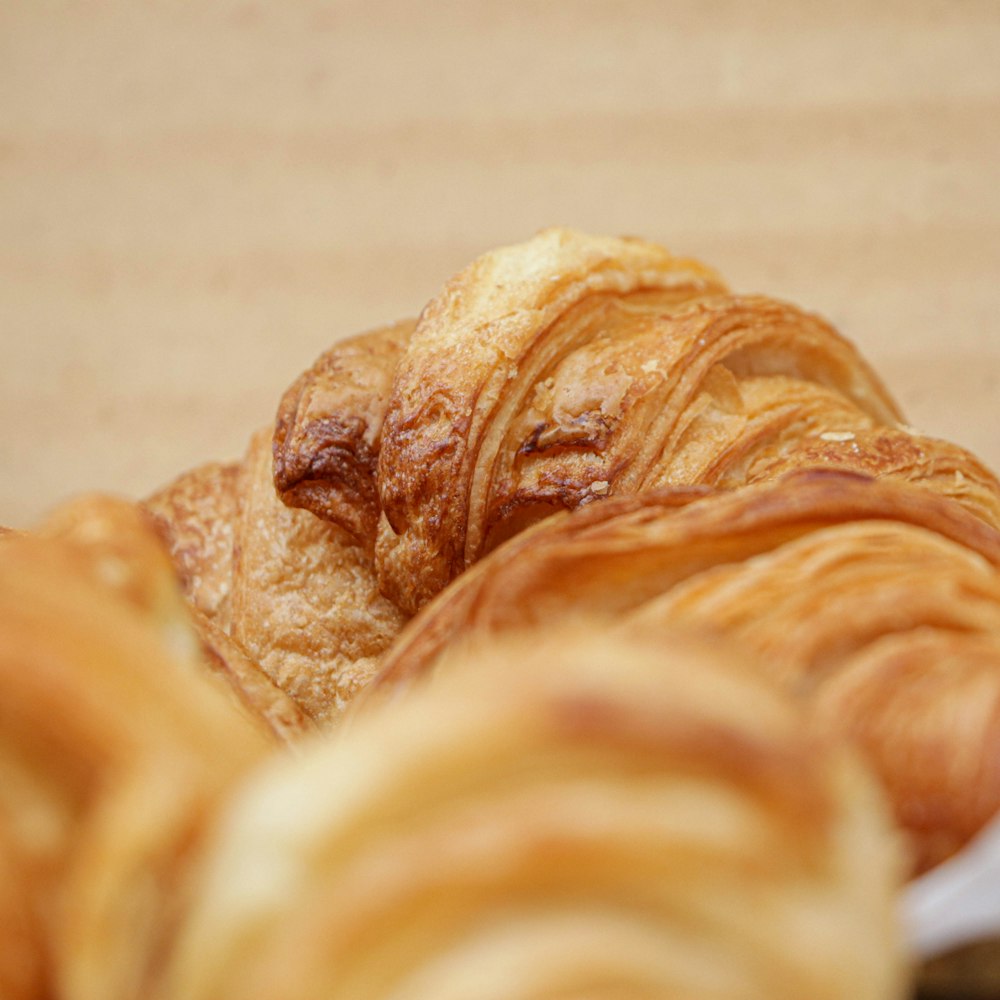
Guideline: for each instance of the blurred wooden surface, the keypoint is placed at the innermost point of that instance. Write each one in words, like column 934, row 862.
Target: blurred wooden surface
column 195, row 199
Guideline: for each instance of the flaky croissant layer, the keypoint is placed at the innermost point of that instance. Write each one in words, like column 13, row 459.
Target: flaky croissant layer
column 877, row 603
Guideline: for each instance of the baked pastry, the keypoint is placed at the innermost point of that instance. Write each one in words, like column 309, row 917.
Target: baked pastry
column 575, row 815
column 875, row 601
column 567, row 369
column 328, row 430
column 115, row 746
column 197, row 514
column 297, row 594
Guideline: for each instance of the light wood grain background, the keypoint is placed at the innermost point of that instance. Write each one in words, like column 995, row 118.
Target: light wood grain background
column 197, row 198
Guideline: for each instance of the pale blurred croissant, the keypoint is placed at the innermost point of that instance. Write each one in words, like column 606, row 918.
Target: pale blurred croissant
column 116, row 743
column 875, row 601
column 566, row 816
column 580, row 814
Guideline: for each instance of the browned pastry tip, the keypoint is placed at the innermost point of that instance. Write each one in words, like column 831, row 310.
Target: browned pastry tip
column 571, row 814
column 329, row 426
column 809, row 573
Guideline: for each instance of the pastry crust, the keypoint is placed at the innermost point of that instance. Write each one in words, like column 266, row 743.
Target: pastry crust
column 305, row 603
column 887, row 452
column 574, row 814
column 813, row 573
column 329, row 429
column 196, row 514
column 284, row 601
column 474, row 357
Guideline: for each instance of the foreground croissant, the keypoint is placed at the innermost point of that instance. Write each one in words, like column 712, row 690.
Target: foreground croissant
column 545, row 376
column 116, row 744
column 572, row 817
column 533, row 823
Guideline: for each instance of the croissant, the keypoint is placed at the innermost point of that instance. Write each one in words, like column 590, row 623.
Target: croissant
column 568, row 369
column 876, row 602
column 576, row 816
column 297, row 594
column 115, row 744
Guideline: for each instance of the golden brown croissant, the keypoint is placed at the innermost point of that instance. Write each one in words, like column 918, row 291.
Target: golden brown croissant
column 534, row 821
column 579, row 815
column 571, row 368
column 876, row 601
column 545, row 376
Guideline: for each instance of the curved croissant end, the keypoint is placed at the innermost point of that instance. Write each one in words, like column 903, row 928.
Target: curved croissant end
column 819, row 574
column 576, row 816
column 277, row 592
column 196, row 515
column 329, row 427
column 305, row 603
